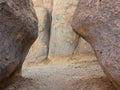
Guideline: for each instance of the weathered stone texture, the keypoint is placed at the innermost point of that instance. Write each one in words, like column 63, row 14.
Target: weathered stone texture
column 18, row 30
column 39, row 50
column 99, row 23
column 64, row 42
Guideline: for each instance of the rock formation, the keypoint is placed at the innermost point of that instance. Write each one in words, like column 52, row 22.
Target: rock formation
column 39, row 50
column 98, row 21
column 63, row 41
column 18, row 30
column 48, row 4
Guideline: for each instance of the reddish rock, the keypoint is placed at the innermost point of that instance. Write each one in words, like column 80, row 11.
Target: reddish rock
column 98, row 21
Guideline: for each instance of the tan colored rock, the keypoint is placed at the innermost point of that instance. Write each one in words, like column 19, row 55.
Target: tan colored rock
column 98, row 21
column 63, row 40
column 44, row 4
column 39, row 50
column 37, row 3
column 83, row 48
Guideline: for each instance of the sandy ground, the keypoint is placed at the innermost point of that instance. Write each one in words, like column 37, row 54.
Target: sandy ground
column 72, row 77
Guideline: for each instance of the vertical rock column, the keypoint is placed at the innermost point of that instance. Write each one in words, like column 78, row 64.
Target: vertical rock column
column 63, row 39
column 39, row 50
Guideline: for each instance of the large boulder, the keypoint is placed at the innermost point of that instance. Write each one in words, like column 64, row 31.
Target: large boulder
column 98, row 21
column 39, row 50
column 18, row 30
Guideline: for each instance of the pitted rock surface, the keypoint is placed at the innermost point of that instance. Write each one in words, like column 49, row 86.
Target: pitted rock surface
column 98, row 21
column 18, row 30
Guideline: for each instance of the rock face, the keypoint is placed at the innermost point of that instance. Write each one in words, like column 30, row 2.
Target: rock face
column 48, row 4
column 63, row 39
column 83, row 48
column 39, row 50
column 18, row 30
column 99, row 23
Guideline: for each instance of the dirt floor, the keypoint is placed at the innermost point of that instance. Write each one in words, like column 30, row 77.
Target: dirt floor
column 62, row 77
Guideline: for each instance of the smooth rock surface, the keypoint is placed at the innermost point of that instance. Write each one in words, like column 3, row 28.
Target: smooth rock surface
column 39, row 50
column 98, row 21
column 63, row 39
column 48, row 4
column 83, row 47
column 64, row 42
column 18, row 30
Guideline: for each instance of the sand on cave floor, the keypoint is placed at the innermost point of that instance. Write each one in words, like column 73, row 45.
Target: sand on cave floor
column 62, row 77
